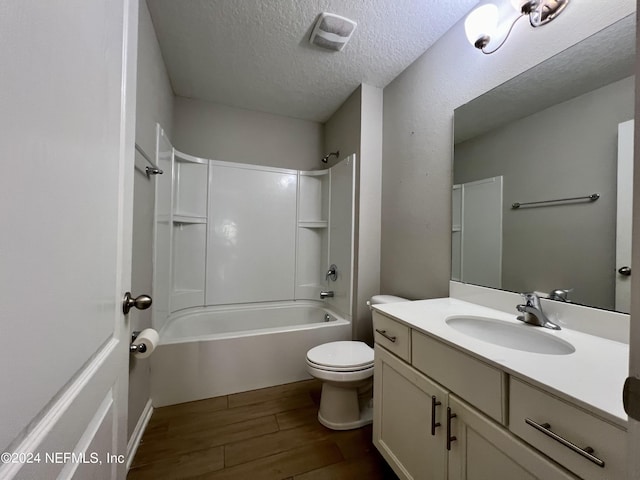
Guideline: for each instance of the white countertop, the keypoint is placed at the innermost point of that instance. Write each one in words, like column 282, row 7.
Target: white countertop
column 591, row 377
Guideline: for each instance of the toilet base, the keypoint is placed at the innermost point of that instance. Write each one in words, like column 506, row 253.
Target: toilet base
column 366, row 418
column 346, row 408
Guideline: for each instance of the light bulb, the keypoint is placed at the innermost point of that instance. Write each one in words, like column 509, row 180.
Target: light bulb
column 482, row 22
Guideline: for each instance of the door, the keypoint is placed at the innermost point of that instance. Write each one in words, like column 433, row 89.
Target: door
column 623, row 219
column 67, row 121
column 407, row 428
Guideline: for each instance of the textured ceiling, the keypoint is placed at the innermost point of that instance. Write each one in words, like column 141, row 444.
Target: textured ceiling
column 255, row 54
column 603, row 58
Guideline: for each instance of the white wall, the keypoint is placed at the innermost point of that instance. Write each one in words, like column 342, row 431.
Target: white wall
column 356, row 127
column 418, row 132
column 154, row 104
column 218, row 132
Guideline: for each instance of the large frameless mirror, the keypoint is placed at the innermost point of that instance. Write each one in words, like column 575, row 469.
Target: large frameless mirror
column 542, row 177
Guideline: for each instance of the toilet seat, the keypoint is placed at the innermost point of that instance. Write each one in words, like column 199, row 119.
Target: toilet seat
column 337, row 369
column 344, row 356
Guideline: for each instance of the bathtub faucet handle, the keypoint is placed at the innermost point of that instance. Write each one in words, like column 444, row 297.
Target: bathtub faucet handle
column 324, row 295
column 332, row 273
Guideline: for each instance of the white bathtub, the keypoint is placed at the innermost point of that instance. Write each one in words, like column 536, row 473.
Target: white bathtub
column 213, row 351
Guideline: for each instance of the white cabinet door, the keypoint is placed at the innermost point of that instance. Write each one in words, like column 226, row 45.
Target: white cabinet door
column 66, row 196
column 402, row 423
column 483, row 449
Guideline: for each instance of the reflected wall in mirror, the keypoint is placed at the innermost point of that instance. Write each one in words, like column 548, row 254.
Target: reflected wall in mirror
column 550, row 133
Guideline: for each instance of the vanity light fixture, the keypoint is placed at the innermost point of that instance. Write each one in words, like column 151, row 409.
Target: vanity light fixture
column 482, row 22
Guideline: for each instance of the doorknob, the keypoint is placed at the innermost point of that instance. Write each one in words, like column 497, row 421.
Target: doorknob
column 626, row 271
column 141, row 302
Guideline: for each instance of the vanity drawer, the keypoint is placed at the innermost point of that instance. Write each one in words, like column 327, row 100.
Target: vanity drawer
column 529, row 406
column 476, row 382
column 392, row 335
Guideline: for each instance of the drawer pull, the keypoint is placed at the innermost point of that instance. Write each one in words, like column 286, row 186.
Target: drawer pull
column 585, row 452
column 434, row 424
column 386, row 335
column 450, row 438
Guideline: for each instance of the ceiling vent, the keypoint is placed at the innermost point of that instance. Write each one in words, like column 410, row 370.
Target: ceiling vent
column 332, row 31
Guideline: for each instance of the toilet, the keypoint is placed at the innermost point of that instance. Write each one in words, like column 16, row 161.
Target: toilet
column 346, row 371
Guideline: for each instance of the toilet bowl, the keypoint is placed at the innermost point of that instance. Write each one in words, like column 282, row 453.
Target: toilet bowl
column 346, row 371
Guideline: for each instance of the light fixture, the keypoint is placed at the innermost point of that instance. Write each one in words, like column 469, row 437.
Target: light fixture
column 480, row 25
column 482, row 22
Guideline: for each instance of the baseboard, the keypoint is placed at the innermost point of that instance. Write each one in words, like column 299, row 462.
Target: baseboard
column 136, row 436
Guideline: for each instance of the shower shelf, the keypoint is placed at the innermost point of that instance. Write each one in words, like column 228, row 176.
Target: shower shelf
column 188, row 219
column 314, row 224
column 314, row 173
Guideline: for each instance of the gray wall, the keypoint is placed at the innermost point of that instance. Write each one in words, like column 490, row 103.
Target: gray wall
column 218, row 132
column 417, row 139
column 154, row 104
column 356, row 127
column 567, row 150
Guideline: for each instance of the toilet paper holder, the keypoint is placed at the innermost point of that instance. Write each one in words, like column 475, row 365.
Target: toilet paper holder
column 136, row 348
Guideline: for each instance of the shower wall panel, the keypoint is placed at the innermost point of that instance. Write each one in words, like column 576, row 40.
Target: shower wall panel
column 251, row 241
column 162, row 248
column 341, row 234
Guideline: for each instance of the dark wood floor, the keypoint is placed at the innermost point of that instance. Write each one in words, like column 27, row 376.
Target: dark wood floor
column 271, row 433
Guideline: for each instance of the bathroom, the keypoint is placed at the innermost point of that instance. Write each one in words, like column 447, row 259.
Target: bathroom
column 400, row 130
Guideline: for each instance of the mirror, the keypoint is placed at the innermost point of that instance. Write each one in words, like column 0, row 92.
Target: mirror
column 548, row 135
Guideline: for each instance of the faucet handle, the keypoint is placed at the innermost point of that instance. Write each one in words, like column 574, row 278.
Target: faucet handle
column 531, row 298
column 560, row 294
column 527, row 297
column 332, row 273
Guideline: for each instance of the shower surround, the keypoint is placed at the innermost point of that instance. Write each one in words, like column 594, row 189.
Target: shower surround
column 241, row 254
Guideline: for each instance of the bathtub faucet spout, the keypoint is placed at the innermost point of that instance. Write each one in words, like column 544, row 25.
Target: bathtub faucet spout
column 324, row 295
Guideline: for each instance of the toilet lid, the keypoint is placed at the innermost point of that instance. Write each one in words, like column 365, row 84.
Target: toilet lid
column 341, row 355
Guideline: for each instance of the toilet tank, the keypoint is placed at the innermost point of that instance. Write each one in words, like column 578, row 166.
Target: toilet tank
column 382, row 299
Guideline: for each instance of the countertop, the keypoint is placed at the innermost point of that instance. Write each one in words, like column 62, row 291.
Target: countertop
column 591, row 377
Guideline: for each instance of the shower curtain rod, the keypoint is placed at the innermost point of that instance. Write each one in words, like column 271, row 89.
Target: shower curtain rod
column 153, row 169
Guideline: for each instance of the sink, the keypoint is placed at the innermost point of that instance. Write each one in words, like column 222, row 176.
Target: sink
column 518, row 337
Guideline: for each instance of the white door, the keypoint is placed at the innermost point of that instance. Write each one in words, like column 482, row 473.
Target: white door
column 67, row 98
column 624, row 213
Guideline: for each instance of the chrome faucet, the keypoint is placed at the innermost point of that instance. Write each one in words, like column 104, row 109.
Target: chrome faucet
column 324, row 295
column 532, row 312
column 560, row 294
column 332, row 273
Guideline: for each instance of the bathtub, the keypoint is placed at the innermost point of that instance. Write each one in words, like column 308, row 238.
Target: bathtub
column 213, row 351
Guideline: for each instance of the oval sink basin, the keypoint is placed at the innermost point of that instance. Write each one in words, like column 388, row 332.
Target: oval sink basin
column 518, row 337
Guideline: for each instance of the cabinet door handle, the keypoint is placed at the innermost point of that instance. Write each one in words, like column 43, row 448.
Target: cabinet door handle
column 586, row 452
column 450, row 438
column 434, row 424
column 386, row 335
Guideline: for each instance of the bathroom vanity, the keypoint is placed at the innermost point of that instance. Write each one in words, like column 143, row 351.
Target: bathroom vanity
column 466, row 391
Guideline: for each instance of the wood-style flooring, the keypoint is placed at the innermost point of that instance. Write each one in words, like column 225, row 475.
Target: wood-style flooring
column 272, row 433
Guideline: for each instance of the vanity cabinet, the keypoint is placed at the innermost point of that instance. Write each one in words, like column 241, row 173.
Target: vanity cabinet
column 425, row 430
column 408, row 418
column 483, row 449
column 582, row 442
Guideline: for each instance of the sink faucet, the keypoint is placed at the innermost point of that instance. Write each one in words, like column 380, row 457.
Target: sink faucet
column 560, row 294
column 324, row 295
column 532, row 312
